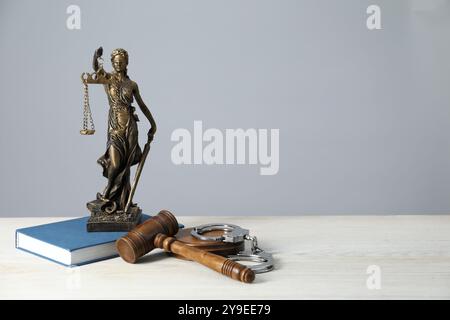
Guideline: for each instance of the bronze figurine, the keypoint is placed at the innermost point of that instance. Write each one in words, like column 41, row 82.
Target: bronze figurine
column 113, row 209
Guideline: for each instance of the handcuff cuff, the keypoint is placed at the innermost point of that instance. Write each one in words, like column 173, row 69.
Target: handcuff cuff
column 234, row 234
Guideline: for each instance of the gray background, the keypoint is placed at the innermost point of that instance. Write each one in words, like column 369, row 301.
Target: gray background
column 364, row 116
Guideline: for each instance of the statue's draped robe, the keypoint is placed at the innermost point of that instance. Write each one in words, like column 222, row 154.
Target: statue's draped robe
column 122, row 136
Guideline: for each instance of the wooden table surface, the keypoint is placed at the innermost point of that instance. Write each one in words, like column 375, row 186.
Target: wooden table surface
column 317, row 257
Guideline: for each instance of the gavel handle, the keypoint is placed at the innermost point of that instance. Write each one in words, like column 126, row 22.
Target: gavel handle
column 213, row 261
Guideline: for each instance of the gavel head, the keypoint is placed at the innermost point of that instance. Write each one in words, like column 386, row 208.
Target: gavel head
column 139, row 241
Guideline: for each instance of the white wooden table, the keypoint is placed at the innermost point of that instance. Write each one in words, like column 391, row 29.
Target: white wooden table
column 317, row 257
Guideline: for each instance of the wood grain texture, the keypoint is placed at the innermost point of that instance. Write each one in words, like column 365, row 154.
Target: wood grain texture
column 213, row 261
column 317, row 257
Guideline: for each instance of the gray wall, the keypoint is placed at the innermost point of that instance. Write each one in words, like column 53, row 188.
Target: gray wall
column 364, row 116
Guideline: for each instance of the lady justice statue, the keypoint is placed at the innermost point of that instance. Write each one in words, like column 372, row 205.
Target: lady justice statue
column 113, row 209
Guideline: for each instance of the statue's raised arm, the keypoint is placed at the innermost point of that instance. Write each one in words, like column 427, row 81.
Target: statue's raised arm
column 97, row 55
column 99, row 76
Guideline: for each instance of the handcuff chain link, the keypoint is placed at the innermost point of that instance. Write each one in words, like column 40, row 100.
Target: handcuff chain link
column 255, row 249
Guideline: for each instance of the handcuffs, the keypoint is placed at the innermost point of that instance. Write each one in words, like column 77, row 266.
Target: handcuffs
column 234, row 234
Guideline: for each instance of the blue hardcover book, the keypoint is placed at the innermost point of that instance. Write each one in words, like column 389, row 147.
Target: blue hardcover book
column 68, row 242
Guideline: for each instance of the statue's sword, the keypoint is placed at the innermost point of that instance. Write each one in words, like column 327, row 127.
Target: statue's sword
column 137, row 175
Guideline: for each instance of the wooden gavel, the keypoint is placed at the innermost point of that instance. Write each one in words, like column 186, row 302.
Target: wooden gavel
column 157, row 232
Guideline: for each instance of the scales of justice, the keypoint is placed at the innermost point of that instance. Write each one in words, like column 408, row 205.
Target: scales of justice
column 113, row 209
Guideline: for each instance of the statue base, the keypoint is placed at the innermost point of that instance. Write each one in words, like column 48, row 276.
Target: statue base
column 102, row 221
